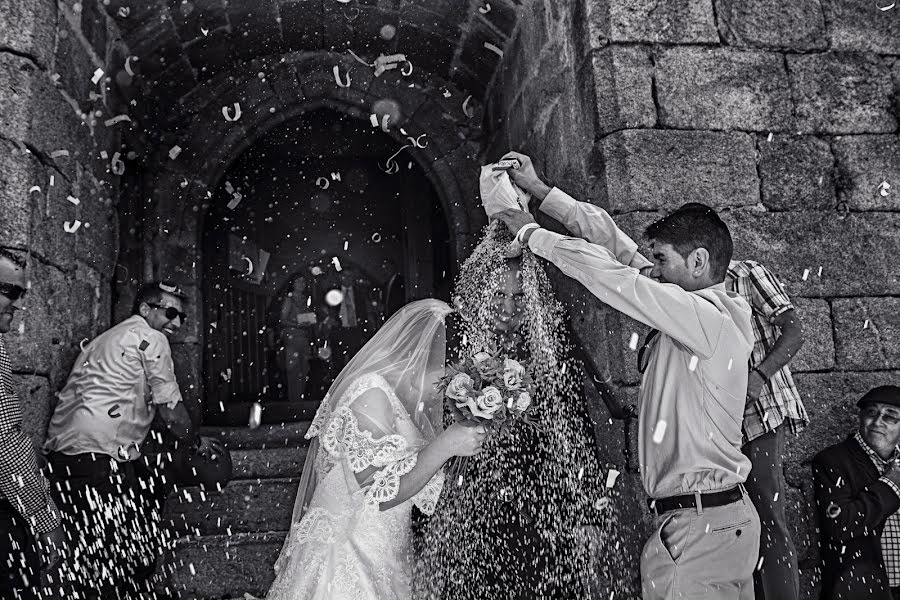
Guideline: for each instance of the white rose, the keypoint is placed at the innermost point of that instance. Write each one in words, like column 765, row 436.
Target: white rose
column 513, row 372
column 523, row 401
column 459, row 387
column 487, row 403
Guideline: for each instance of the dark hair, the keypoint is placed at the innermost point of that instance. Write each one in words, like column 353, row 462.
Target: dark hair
column 693, row 226
column 152, row 293
column 16, row 260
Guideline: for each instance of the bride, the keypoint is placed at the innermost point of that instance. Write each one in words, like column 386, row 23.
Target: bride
column 377, row 450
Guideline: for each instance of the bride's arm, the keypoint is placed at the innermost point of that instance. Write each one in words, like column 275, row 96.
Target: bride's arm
column 374, row 415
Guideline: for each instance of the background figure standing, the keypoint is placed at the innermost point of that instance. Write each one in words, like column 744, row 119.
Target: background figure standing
column 27, row 512
column 773, row 409
column 110, row 492
column 296, row 324
column 857, row 489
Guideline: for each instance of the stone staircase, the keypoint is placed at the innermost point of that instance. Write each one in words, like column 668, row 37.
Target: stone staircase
column 230, row 539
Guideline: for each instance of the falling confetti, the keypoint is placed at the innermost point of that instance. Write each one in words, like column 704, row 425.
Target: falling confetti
column 611, row 478
column 883, row 188
column 494, row 49
column 226, row 112
column 73, row 200
column 98, row 75
column 174, row 151
column 485, row 9
column 71, row 227
column 886, row 7
column 805, row 274
column 117, row 119
column 255, row 415
column 116, row 164
column 659, row 432
column 337, row 77
column 692, row 365
column 466, row 109
column 633, row 342
column 866, row 324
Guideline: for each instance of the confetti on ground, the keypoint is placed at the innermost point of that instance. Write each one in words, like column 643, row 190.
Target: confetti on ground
column 866, row 324
column 73, row 200
column 659, row 432
column 805, row 274
column 227, row 113
column 71, row 227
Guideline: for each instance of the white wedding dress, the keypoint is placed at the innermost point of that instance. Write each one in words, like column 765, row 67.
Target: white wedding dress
column 344, row 547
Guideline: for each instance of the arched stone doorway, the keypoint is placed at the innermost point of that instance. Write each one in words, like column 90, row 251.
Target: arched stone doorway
column 319, row 232
column 179, row 193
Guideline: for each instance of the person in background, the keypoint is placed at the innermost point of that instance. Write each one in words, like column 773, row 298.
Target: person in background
column 857, row 491
column 773, row 410
column 296, row 328
column 31, row 535
column 110, row 492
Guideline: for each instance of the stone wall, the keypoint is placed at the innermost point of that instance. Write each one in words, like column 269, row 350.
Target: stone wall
column 784, row 116
column 55, row 156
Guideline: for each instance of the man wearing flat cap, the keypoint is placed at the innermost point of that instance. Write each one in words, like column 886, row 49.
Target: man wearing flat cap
column 857, row 489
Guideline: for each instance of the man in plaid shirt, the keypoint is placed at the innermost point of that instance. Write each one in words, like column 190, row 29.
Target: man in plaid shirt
column 773, row 408
column 26, row 508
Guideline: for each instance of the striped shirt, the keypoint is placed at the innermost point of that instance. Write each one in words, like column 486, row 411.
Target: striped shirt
column 21, row 482
column 779, row 401
column 890, row 536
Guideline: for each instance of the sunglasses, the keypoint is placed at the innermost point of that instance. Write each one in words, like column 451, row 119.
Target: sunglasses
column 12, row 291
column 171, row 312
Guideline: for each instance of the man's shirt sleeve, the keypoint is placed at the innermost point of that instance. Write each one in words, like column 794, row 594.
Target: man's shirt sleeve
column 684, row 316
column 156, row 356
column 767, row 293
column 21, row 481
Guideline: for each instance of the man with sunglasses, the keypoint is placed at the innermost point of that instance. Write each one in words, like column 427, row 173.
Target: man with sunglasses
column 120, row 382
column 27, row 511
column 706, row 531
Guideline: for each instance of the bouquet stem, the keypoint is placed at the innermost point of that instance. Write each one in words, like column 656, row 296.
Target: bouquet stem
column 458, row 469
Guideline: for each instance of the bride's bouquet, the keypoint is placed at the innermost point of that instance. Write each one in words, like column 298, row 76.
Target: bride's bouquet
column 487, row 389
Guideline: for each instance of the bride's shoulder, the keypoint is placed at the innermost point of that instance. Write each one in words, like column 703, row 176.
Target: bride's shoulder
column 366, row 382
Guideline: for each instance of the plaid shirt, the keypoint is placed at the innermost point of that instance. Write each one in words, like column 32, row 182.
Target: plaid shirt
column 890, row 536
column 778, row 402
column 21, row 481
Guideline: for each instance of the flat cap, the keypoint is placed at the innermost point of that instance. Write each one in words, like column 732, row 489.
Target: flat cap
column 885, row 394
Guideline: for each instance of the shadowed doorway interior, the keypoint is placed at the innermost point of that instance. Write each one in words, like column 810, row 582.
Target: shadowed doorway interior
column 309, row 246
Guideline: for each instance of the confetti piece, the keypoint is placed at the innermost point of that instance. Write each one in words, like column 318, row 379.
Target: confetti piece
column 335, row 176
column 226, row 112
column 255, row 415
column 485, row 9
column 388, row 62
column 124, row 11
column 611, row 478
column 759, row 564
column 693, row 364
column 235, row 200
column 323, row 183
column 71, row 227
column 407, row 72
column 886, row 7
column 465, row 107
column 98, row 75
column 116, row 164
column 376, row 237
column 494, row 49
column 37, row 188
column 337, row 77
column 447, row 94
column 58, row 153
column 730, row 362
column 819, row 274
column 771, row 137
column 249, row 266
column 174, row 151
column 659, row 432
column 384, row 123
column 833, row 511
column 346, row 245
column 73, row 200
column 373, row 118
column 459, row 481
column 805, row 274
column 866, row 324
column 775, row 499
column 204, row 31
column 883, row 187
column 117, row 119
column 336, row 263
column 633, row 342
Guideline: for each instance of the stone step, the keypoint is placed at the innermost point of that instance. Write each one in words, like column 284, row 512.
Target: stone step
column 243, row 506
column 222, row 566
column 283, row 435
column 266, row 463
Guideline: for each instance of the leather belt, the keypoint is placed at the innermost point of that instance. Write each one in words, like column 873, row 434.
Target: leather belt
column 664, row 505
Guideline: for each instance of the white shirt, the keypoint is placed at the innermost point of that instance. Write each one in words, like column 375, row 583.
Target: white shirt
column 110, row 398
column 693, row 390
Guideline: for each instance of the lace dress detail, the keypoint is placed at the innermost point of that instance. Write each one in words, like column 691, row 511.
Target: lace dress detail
column 344, row 547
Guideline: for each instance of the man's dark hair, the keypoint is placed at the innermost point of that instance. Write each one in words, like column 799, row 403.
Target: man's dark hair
column 693, row 226
column 13, row 258
column 152, row 293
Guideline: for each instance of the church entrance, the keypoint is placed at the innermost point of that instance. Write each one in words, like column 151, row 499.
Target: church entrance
column 317, row 234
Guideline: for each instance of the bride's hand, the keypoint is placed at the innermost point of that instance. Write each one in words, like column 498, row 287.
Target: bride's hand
column 465, row 439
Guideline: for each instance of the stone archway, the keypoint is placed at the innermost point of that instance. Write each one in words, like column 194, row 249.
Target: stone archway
column 270, row 92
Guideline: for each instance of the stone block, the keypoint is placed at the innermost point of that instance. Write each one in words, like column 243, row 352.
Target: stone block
column 29, row 28
column 866, row 333
column 817, row 353
column 800, row 510
column 865, row 164
column 190, row 17
column 841, row 93
column 362, row 34
column 302, row 25
column 35, row 397
column 97, row 239
column 94, row 26
column 772, row 24
column 796, row 173
column 157, row 44
column 256, row 28
column 857, row 26
column 661, row 170
column 673, row 22
column 19, row 171
column 830, row 400
column 856, row 254
column 188, row 358
column 622, row 89
column 720, row 88
column 269, row 463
